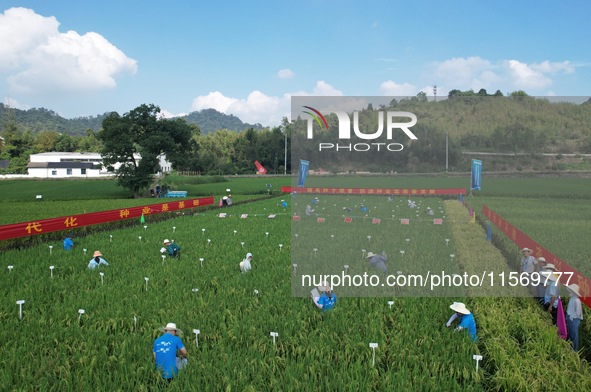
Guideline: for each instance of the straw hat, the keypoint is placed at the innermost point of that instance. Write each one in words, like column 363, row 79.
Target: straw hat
column 97, row 254
column 459, row 307
column 171, row 327
column 574, row 288
column 526, row 250
column 550, row 266
column 325, row 287
column 166, row 241
column 542, row 259
column 370, row 255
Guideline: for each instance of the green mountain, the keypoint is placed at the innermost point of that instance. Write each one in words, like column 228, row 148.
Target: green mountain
column 37, row 120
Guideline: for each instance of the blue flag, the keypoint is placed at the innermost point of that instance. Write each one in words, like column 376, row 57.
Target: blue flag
column 303, row 172
column 476, row 174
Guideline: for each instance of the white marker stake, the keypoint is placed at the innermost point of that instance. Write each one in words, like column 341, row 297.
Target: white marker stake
column 134, row 324
column 173, row 229
column 195, row 290
column 146, row 279
column 399, row 272
column 110, row 238
column 51, row 267
column 368, row 238
column 280, row 247
column 446, row 241
column 50, row 249
column 267, row 234
column 242, row 244
column 315, row 250
column 373, row 348
column 401, row 253
column 201, row 260
column 346, row 269
column 256, row 292
column 295, row 268
column 363, row 253
column 140, row 237
column 84, row 250
column 202, row 231
column 145, row 227
column 477, row 358
column 390, row 303
column 196, row 332
column 208, row 241
column 10, row 267
column 102, row 274
column 235, row 232
column 163, row 257
column 80, row 313
column 20, row 303
column 408, row 240
column 452, row 256
column 274, row 334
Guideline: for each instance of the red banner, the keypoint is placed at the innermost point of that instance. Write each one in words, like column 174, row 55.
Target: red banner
column 377, row 191
column 26, row 229
column 523, row 241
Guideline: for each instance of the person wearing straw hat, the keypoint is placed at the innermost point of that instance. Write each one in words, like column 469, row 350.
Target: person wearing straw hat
column 429, row 211
column 327, row 299
column 378, row 261
column 552, row 295
column 165, row 351
column 172, row 249
column 245, row 264
column 574, row 314
column 528, row 262
column 309, row 210
column 544, row 267
column 97, row 260
column 466, row 319
column 229, row 200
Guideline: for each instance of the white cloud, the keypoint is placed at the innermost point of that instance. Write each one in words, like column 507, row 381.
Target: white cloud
column 476, row 73
column 391, row 88
column 36, row 57
column 258, row 107
column 285, row 73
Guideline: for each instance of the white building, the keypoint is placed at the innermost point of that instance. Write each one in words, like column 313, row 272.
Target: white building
column 75, row 164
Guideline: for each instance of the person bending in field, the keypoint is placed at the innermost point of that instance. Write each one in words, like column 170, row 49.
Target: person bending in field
column 378, row 261
column 466, row 319
column 245, row 264
column 68, row 243
column 429, row 211
column 327, row 299
column 309, row 210
column 165, row 352
column 97, row 260
column 171, row 249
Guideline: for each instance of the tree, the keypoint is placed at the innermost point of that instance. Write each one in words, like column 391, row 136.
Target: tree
column 142, row 132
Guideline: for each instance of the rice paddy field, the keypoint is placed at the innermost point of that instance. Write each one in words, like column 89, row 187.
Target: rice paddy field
column 52, row 345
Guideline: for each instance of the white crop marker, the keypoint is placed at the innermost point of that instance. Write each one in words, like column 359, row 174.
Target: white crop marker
column 201, row 260
column 274, row 335
column 50, row 249
column 146, row 279
column 390, row 303
column 477, row 358
column 80, row 313
column 102, row 274
column 51, row 267
column 196, row 332
column 20, row 303
column 373, row 347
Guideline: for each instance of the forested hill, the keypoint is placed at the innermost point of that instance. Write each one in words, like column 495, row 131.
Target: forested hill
column 38, row 120
column 210, row 120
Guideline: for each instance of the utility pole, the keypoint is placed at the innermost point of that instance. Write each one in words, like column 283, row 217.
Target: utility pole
column 435, row 92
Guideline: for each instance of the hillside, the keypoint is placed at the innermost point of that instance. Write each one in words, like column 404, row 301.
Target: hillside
column 40, row 119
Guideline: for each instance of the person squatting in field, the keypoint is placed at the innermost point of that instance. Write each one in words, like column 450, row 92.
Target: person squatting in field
column 245, row 264
column 97, row 260
column 165, row 351
column 172, row 249
column 466, row 319
column 327, row 299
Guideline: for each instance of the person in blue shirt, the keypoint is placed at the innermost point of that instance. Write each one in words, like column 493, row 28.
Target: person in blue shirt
column 165, row 351
column 172, row 249
column 68, row 243
column 97, row 260
column 364, row 208
column 327, row 299
column 283, row 204
column 466, row 319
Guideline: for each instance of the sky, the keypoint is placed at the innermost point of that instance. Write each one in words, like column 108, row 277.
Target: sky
column 248, row 58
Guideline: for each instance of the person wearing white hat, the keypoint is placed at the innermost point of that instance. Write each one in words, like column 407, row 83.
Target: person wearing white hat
column 378, row 261
column 245, row 264
column 552, row 295
column 283, row 204
column 574, row 314
column 172, row 249
column 97, row 260
column 309, row 210
column 429, row 211
column 327, row 299
column 466, row 319
column 229, row 200
column 165, row 351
